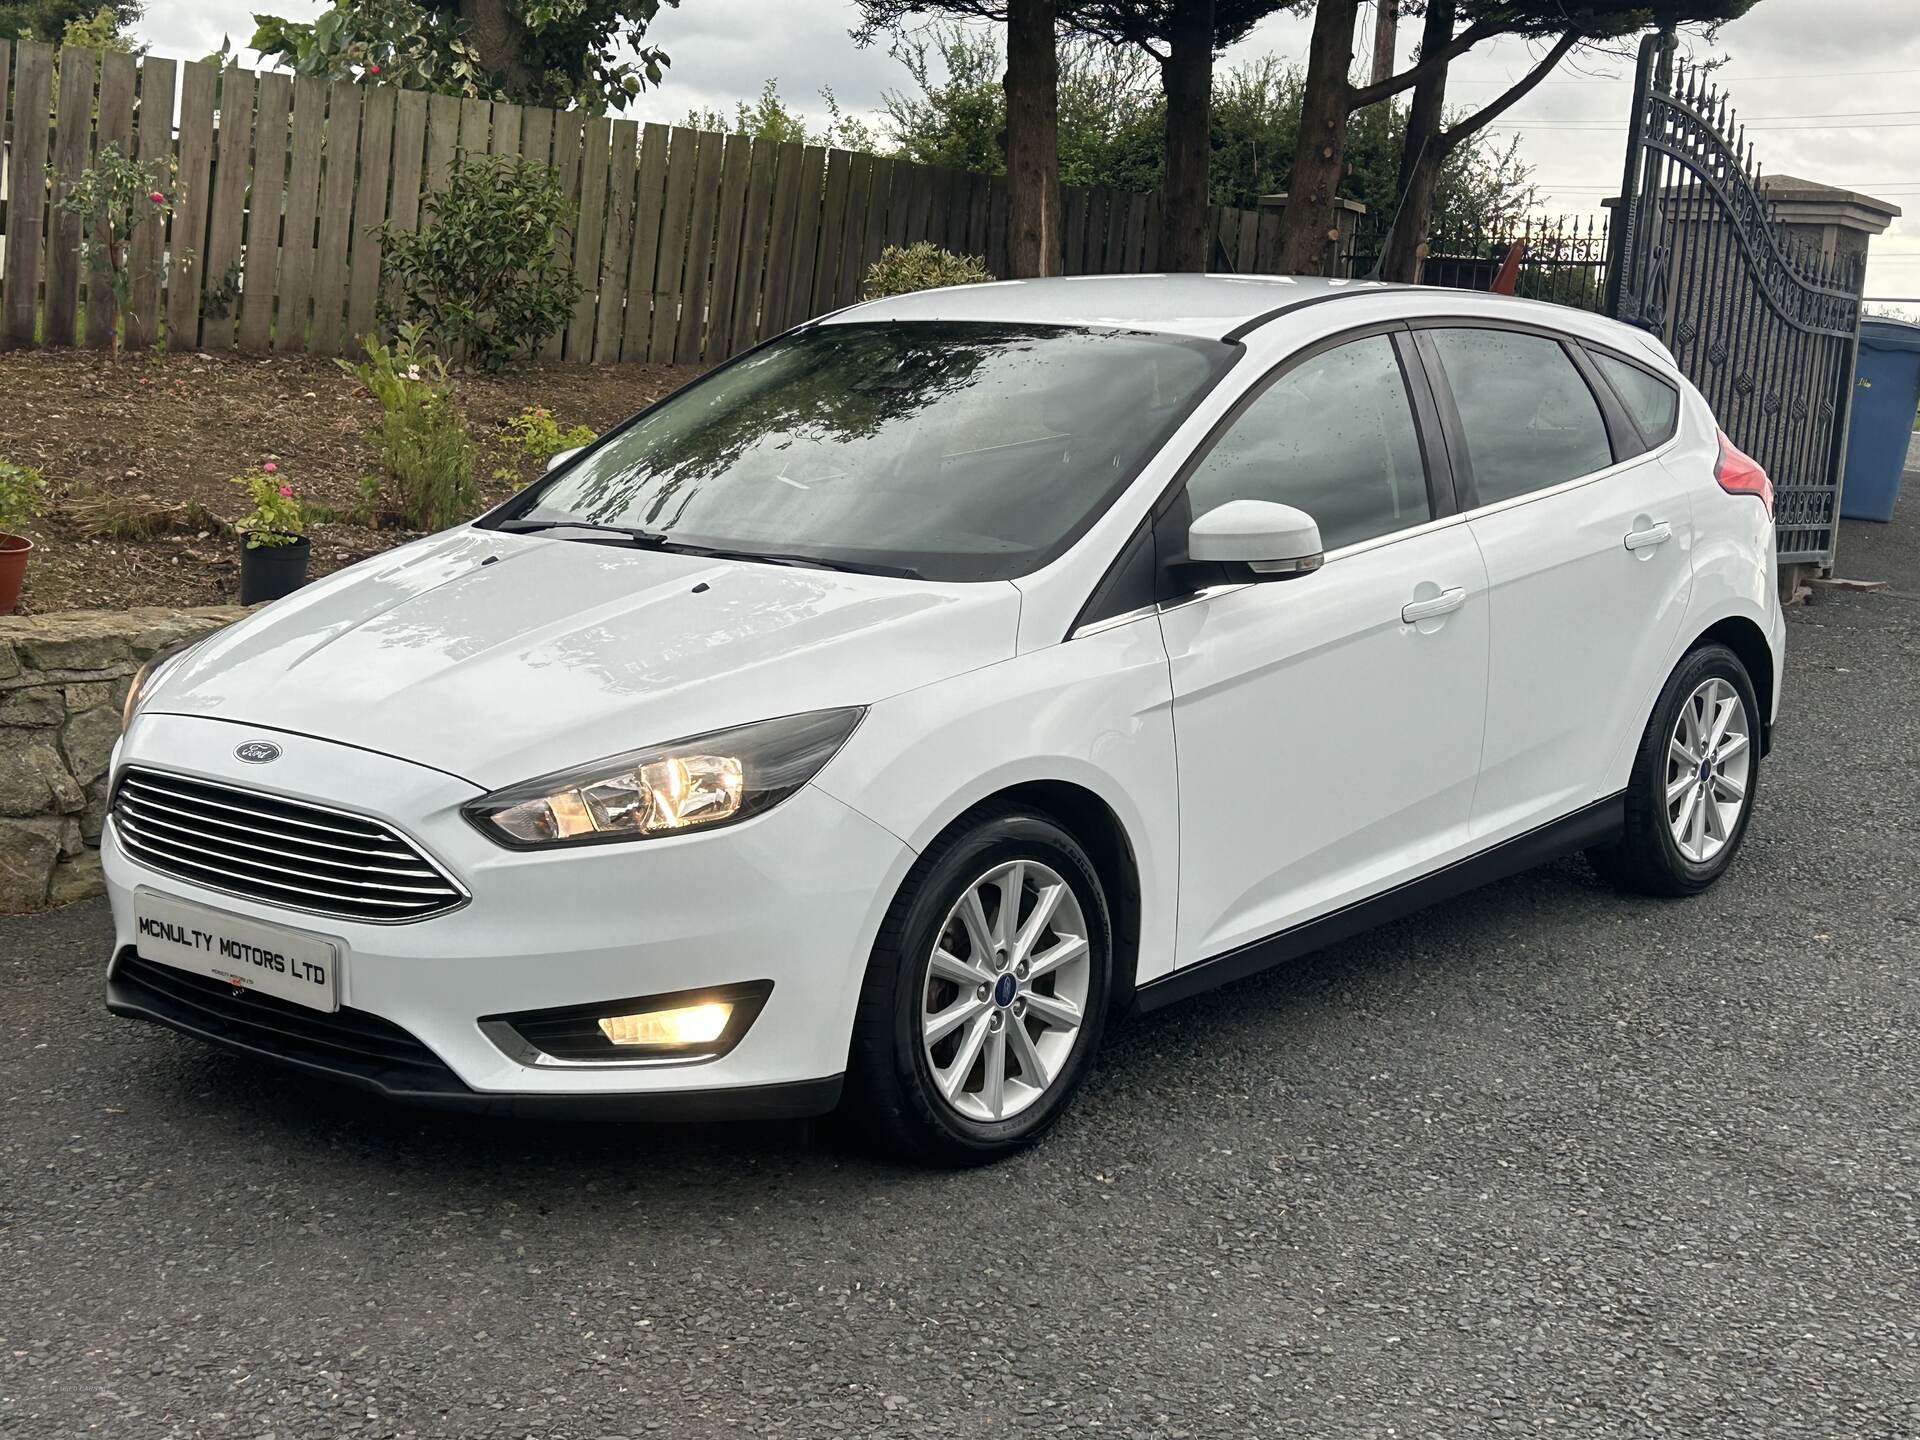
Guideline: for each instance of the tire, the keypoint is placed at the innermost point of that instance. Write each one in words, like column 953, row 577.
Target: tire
column 1650, row 858
column 896, row 1099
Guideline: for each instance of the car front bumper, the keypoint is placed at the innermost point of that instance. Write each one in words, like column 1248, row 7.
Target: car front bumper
column 793, row 897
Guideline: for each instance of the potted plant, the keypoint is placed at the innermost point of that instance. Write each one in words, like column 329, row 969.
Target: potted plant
column 22, row 492
column 274, row 546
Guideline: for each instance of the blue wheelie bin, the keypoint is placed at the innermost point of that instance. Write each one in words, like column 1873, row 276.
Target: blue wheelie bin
column 1886, row 393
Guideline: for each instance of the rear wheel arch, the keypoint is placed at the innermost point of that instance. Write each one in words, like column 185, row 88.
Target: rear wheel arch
column 1749, row 642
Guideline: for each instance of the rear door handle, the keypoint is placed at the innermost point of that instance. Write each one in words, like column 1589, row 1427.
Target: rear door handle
column 1656, row 534
column 1445, row 603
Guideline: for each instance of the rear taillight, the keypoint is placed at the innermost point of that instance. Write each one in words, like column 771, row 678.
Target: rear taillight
column 1740, row 474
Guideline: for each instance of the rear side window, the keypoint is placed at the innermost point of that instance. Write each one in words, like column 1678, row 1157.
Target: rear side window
column 1651, row 401
column 1529, row 419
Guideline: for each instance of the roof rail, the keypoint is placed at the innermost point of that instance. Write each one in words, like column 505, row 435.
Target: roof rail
column 1247, row 327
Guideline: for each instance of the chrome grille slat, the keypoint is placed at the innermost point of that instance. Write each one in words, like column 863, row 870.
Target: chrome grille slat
column 182, row 864
column 139, row 784
column 225, row 857
column 269, row 847
column 135, row 811
column 132, row 798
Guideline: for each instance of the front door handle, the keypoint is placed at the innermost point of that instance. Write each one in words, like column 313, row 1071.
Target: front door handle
column 1445, row 603
column 1657, row 533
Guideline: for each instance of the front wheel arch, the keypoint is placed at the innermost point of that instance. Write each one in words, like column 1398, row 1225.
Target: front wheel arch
column 1091, row 821
column 892, row 1098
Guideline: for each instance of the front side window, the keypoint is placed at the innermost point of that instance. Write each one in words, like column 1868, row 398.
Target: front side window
column 1529, row 419
column 1334, row 436
column 940, row 450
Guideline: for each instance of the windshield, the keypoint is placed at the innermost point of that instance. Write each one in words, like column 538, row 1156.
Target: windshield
column 941, row 450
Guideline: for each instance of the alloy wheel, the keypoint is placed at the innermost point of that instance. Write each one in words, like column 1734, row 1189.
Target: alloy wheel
column 1709, row 769
column 1005, row 991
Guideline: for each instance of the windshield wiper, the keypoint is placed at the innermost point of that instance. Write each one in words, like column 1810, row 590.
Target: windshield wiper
column 651, row 539
column 781, row 557
column 655, row 540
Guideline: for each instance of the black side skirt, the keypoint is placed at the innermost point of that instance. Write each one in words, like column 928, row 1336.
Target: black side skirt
column 1597, row 824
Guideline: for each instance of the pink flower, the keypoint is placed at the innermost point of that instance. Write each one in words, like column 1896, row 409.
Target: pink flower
column 373, row 69
column 271, row 468
column 157, row 198
column 287, row 491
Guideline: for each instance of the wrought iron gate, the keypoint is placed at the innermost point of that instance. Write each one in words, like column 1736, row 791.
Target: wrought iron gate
column 1763, row 322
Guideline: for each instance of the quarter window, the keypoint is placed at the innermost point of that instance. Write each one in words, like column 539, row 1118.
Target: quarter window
column 1651, row 401
column 1529, row 419
column 1335, row 437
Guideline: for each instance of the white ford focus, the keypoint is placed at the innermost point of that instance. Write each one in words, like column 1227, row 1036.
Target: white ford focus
column 868, row 722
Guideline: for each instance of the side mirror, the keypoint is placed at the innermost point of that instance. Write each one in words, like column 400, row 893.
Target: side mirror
column 1274, row 541
column 560, row 457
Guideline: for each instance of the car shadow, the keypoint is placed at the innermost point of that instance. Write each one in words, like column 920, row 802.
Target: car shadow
column 220, row 1101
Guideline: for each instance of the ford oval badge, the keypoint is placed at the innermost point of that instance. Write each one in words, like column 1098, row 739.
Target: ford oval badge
column 258, row 752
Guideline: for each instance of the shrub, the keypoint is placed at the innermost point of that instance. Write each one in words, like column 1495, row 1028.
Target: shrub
column 112, row 198
column 538, row 437
column 483, row 275
column 426, row 455
column 22, row 494
column 276, row 517
column 923, row 265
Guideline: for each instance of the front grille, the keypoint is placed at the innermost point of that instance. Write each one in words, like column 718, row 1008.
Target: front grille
column 282, row 851
column 346, row 1042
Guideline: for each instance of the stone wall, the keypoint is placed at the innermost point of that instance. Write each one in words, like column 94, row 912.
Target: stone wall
column 63, row 680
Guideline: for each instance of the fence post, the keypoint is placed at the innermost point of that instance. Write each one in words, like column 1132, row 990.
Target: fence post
column 70, row 154
column 27, row 191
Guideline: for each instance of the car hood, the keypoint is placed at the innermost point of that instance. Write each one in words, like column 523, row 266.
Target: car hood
column 499, row 657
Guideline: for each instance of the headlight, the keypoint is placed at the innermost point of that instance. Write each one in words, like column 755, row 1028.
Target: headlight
column 693, row 784
column 150, row 672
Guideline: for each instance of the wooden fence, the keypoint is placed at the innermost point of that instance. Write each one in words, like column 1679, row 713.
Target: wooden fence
column 690, row 245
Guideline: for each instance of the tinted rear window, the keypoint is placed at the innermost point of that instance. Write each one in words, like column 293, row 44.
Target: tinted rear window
column 1651, row 401
column 1530, row 421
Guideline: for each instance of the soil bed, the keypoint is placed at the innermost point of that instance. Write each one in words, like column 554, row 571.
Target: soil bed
column 156, row 441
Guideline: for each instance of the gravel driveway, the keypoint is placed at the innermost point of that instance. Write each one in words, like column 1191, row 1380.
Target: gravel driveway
column 1541, row 1161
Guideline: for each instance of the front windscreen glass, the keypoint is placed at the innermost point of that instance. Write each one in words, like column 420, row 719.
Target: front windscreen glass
column 940, row 450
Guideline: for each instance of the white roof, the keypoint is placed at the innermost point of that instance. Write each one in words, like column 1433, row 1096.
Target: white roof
column 1211, row 306
column 1214, row 306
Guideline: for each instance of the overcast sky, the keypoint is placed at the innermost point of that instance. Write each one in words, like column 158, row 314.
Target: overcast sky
column 1825, row 86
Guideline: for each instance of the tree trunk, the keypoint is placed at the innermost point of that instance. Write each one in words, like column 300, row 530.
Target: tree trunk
column 1421, row 157
column 1429, row 143
column 1320, row 152
column 1186, row 75
column 1386, row 31
column 503, row 45
column 1033, row 153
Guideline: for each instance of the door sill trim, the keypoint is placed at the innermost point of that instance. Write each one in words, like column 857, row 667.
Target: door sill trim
column 1595, row 824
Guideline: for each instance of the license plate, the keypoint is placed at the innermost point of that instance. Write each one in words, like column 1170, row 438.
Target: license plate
column 249, row 955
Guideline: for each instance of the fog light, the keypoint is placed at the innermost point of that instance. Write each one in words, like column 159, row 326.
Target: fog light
column 687, row 1025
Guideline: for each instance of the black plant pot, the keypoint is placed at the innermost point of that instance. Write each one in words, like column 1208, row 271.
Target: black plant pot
column 269, row 571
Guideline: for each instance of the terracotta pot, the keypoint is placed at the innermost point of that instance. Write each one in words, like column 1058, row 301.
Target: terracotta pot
column 14, row 550
column 269, row 571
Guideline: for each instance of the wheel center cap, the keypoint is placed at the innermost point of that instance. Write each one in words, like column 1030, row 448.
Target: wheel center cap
column 1004, row 988
column 1706, row 770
